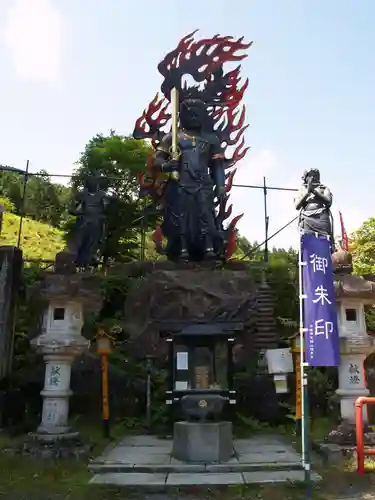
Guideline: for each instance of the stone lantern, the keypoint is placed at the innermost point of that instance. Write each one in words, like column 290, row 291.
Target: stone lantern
column 353, row 293
column 65, row 299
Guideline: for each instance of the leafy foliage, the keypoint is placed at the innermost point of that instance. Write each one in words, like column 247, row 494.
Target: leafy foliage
column 246, row 250
column 45, row 201
column 27, row 316
column 281, row 272
column 282, row 276
column 7, row 205
column 321, row 386
column 364, row 248
column 136, row 373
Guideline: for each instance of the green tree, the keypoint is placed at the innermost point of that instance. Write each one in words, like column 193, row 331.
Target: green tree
column 281, row 272
column 364, row 248
column 363, row 251
column 7, row 205
column 11, row 187
column 246, row 250
column 118, row 160
column 44, row 200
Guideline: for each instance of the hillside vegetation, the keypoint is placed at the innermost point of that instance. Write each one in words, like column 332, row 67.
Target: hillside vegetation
column 38, row 241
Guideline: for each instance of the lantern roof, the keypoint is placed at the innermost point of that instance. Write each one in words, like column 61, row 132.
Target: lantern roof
column 353, row 286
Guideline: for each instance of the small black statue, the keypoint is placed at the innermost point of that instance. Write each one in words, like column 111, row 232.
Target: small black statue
column 314, row 200
column 190, row 177
column 89, row 229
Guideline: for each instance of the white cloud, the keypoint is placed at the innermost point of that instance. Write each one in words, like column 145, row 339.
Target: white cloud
column 249, row 201
column 32, row 34
column 255, row 166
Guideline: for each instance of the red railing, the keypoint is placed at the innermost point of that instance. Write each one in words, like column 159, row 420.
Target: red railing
column 361, row 452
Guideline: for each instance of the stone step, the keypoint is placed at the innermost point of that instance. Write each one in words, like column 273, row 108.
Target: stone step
column 181, row 467
column 174, row 479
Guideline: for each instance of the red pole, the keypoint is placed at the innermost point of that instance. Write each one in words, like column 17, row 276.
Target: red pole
column 359, row 436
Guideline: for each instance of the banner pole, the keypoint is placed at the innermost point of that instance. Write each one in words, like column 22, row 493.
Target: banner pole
column 304, row 413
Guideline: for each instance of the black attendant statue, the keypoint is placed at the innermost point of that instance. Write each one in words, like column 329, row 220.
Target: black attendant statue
column 314, row 201
column 89, row 229
column 190, row 176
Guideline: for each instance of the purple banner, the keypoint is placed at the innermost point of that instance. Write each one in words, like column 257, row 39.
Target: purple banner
column 320, row 316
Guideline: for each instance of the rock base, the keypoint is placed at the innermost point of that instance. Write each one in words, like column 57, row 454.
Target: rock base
column 345, row 435
column 45, row 437
column 189, row 293
column 341, row 444
column 334, row 454
column 65, row 263
column 203, row 442
column 69, row 447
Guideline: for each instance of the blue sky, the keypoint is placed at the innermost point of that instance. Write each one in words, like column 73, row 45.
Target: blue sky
column 73, row 68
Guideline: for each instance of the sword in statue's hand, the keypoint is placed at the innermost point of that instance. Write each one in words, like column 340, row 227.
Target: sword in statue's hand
column 175, row 151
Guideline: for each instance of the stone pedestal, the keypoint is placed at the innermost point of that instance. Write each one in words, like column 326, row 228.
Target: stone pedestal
column 203, row 442
column 56, row 391
column 352, row 383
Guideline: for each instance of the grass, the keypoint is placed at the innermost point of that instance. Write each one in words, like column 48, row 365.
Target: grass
column 30, row 478
column 42, row 480
column 38, row 240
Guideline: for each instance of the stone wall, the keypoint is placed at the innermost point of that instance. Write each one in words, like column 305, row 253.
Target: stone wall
column 188, row 294
column 10, row 276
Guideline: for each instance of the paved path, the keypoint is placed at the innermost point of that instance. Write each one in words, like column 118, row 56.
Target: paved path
column 146, row 460
column 360, row 496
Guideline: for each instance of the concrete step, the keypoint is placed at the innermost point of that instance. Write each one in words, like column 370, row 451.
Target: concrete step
column 177, row 479
column 181, row 467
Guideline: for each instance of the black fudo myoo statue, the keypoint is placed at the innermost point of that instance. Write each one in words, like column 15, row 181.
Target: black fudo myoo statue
column 314, row 201
column 190, row 176
column 198, row 172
